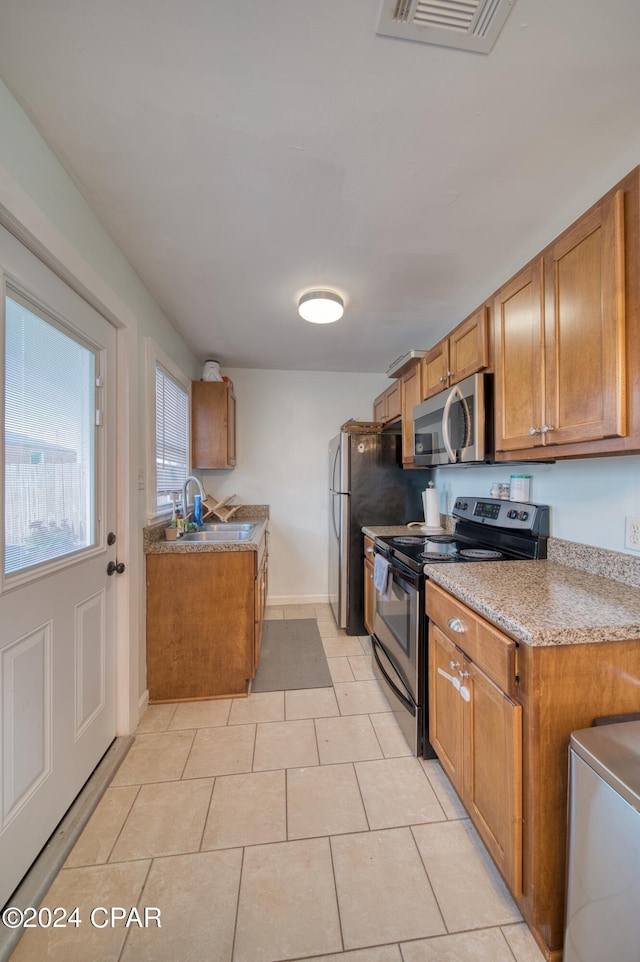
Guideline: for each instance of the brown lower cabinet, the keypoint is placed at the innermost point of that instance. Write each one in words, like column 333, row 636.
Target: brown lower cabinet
column 503, row 740
column 369, row 590
column 205, row 614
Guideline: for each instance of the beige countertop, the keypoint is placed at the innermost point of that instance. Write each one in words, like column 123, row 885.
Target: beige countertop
column 393, row 530
column 566, row 600
column 545, row 602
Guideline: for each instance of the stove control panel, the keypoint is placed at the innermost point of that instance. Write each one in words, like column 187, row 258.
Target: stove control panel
column 513, row 515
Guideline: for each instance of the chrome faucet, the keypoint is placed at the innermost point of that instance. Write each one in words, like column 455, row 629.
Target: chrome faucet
column 185, row 507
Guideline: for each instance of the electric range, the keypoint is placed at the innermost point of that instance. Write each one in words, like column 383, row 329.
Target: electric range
column 486, row 529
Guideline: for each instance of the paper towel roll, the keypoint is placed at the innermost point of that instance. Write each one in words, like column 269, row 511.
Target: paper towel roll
column 431, row 503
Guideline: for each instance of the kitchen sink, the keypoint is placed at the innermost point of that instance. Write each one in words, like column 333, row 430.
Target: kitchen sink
column 219, row 535
column 230, row 526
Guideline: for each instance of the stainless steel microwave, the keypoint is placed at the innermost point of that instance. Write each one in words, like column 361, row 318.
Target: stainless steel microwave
column 456, row 425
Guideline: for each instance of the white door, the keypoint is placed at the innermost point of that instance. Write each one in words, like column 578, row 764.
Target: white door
column 57, row 602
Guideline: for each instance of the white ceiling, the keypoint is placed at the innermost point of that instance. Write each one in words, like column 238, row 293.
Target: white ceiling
column 241, row 153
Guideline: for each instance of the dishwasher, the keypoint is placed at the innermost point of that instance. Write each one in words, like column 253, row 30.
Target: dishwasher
column 603, row 871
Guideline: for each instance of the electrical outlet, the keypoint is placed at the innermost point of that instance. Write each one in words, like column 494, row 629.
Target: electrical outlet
column 632, row 533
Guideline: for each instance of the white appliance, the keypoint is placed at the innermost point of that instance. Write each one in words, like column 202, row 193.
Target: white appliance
column 603, row 882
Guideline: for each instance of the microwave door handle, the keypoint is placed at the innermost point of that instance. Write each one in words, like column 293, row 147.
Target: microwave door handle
column 445, row 424
column 467, row 439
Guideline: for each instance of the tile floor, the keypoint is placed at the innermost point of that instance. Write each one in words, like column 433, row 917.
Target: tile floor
column 289, row 825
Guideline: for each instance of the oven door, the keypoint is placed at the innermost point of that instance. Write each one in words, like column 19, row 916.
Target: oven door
column 396, row 651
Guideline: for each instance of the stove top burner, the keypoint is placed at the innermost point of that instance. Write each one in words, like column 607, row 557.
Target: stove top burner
column 441, row 538
column 437, row 558
column 408, row 539
column 480, row 554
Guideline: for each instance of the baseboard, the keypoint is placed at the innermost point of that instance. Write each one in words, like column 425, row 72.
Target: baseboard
column 280, row 600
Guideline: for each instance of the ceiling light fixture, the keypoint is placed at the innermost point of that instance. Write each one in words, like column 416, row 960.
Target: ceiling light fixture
column 321, row 307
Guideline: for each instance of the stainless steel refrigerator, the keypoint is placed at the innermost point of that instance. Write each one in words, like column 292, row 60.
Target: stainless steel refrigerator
column 367, row 486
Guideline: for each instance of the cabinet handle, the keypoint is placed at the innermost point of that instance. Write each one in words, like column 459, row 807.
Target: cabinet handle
column 449, row 373
column 463, row 674
column 545, row 428
column 369, row 550
column 456, row 625
column 454, row 664
column 442, row 379
column 533, row 431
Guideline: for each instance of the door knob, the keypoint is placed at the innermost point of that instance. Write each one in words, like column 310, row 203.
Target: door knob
column 115, row 567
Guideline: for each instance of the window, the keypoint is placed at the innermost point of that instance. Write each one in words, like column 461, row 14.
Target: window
column 168, row 455
column 50, row 438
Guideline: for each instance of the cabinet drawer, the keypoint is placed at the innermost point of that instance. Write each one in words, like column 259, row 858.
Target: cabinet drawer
column 483, row 644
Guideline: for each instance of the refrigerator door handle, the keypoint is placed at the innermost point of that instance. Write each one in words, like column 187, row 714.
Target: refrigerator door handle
column 345, row 519
column 336, row 458
column 333, row 513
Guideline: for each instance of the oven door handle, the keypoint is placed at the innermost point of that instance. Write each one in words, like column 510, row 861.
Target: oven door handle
column 404, row 696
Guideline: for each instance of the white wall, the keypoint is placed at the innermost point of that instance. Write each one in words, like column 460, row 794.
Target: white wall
column 285, row 420
column 589, row 498
column 35, row 187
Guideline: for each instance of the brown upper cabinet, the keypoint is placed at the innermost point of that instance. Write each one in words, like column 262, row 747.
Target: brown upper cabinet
column 559, row 341
column 464, row 352
column 213, row 425
column 388, row 405
column 410, row 395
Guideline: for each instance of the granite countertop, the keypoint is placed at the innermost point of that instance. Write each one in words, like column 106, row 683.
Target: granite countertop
column 394, row 530
column 154, row 540
column 545, row 602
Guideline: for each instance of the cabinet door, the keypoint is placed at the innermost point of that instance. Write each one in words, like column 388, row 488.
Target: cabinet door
column 212, row 425
column 435, row 368
column 380, row 408
column 387, row 406
column 519, row 368
column 369, row 590
column 259, row 601
column 231, row 428
column 446, row 706
column 493, row 773
column 411, row 385
column 394, row 402
column 585, row 328
column 369, row 596
column 469, row 347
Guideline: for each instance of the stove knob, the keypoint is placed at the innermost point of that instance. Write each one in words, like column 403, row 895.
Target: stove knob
column 464, row 505
column 523, row 515
column 513, row 514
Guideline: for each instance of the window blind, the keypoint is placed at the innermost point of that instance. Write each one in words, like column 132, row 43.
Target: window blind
column 172, row 436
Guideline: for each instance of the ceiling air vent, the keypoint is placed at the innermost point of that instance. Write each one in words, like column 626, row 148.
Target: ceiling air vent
column 464, row 24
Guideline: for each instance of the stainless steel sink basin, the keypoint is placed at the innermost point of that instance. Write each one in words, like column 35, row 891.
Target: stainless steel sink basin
column 225, row 535
column 230, row 526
